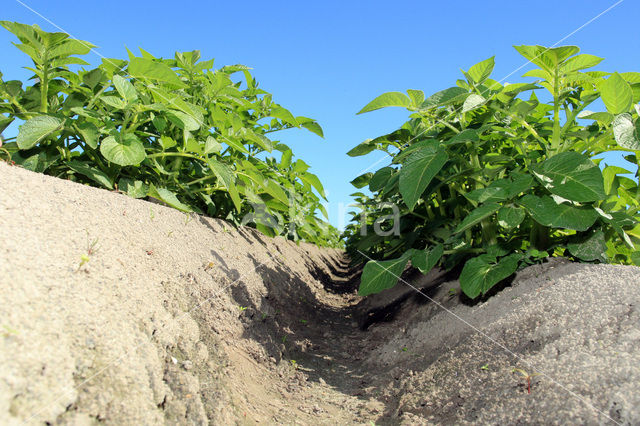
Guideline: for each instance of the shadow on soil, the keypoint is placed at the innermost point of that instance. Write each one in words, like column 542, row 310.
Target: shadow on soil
column 327, row 341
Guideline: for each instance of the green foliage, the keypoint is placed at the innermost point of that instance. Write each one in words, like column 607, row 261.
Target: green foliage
column 173, row 129
column 489, row 178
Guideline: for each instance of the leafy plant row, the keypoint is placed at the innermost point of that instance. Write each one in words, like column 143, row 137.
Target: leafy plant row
column 172, row 129
column 491, row 178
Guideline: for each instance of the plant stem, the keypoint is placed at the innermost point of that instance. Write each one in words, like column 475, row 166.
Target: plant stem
column 449, row 126
column 540, row 237
column 555, row 140
column 44, row 85
column 489, row 231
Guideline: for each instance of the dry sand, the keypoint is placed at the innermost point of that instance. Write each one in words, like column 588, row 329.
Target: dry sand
column 182, row 319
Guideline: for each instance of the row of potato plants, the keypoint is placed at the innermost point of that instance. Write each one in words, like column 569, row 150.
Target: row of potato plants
column 177, row 130
column 491, row 177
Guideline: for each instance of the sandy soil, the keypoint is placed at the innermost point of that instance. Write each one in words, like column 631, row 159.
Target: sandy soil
column 181, row 319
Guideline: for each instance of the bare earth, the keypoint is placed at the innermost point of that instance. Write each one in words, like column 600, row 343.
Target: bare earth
column 178, row 319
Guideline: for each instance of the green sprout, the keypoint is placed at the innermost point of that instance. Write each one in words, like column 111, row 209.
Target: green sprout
column 8, row 331
column 526, row 376
column 91, row 250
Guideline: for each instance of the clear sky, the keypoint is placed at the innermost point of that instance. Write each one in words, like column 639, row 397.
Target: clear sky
column 327, row 59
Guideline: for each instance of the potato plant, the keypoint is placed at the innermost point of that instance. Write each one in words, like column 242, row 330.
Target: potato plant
column 491, row 178
column 172, row 129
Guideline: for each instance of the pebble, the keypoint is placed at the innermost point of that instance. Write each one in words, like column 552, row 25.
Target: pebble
column 187, row 365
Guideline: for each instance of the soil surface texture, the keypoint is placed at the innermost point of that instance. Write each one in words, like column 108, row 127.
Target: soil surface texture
column 123, row 311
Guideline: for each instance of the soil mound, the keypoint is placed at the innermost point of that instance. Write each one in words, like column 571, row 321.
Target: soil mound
column 123, row 311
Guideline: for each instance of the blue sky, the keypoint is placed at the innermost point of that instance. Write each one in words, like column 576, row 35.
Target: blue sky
column 327, row 59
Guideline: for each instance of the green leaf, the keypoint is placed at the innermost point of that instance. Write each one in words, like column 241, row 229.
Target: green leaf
column 311, row 126
column 283, row 114
column 134, row 189
column 482, row 70
column 425, row 259
column 547, row 212
column 510, row 216
column 211, row 145
column 476, row 216
column 496, row 192
column 167, row 142
column 616, row 94
column 125, row 88
column 225, row 176
column 471, row 135
column 93, row 78
column 580, row 62
column 483, row 272
column 380, row 179
column 168, row 197
column 114, row 102
column 142, row 68
column 184, row 121
column 362, row 180
column 610, row 173
column 624, row 132
column 381, row 275
column 362, row 149
column 5, row 122
column 444, row 97
column 418, row 171
column 548, row 58
column 572, row 176
column 592, row 248
column 417, row 97
column 285, row 161
column 313, row 180
column 89, row 133
column 274, row 189
column 71, row 47
column 125, row 150
column 388, row 99
column 91, row 172
column 300, row 166
column 472, row 102
column 36, row 129
column 233, row 143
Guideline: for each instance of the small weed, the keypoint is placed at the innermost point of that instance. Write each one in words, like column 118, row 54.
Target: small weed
column 453, row 292
column 242, row 308
column 91, row 250
column 264, row 316
column 485, row 367
column 8, row 331
column 284, row 339
column 294, row 364
column 404, row 349
column 187, row 218
column 209, row 266
column 169, row 234
column 152, row 215
column 526, row 376
column 302, row 321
